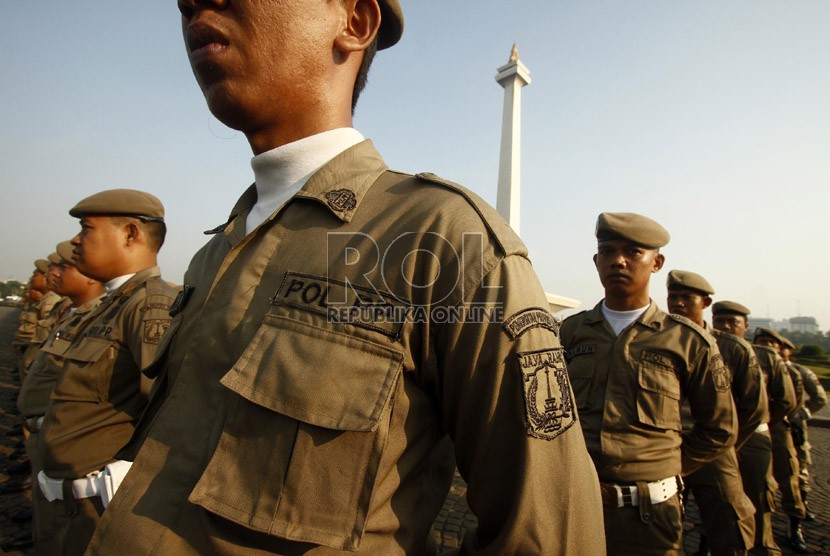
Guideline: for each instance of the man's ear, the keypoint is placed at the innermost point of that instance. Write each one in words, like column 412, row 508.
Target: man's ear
column 659, row 261
column 594, row 258
column 361, row 25
column 133, row 232
column 706, row 301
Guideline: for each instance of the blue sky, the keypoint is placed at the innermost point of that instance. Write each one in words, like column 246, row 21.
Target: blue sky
column 710, row 117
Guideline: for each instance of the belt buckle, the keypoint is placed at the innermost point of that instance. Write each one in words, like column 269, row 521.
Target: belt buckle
column 626, row 495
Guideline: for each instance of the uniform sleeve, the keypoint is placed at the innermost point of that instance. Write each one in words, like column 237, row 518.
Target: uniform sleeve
column 710, row 400
column 782, row 399
column 748, row 392
column 508, row 407
column 818, row 397
column 145, row 324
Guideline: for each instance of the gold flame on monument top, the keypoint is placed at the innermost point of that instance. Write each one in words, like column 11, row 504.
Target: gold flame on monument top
column 514, row 54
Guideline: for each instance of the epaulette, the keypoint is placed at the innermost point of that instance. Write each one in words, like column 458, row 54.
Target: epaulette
column 694, row 326
column 504, row 235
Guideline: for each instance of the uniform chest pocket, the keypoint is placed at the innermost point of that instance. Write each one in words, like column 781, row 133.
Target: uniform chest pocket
column 299, row 451
column 581, row 374
column 87, row 370
column 658, row 398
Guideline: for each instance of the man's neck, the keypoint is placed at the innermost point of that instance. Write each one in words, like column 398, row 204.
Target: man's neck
column 626, row 303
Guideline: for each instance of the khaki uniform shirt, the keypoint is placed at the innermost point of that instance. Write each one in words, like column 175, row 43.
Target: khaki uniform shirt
column 780, row 390
column 798, row 386
column 629, row 388
column 27, row 323
column 44, row 327
column 101, row 392
column 318, row 364
column 816, row 396
column 748, row 388
column 48, row 364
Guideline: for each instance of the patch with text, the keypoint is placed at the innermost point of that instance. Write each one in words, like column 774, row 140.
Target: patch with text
column 582, row 349
column 659, row 360
column 549, row 407
column 528, row 319
column 342, row 302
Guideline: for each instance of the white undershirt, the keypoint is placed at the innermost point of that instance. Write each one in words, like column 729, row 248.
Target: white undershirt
column 281, row 172
column 116, row 283
column 620, row 320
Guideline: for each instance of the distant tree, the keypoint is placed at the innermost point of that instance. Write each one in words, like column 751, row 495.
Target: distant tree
column 804, row 338
column 812, row 351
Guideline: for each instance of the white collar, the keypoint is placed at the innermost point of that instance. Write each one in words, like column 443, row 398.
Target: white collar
column 116, row 283
column 281, row 172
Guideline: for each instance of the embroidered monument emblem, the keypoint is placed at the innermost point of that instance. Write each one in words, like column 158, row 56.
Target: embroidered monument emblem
column 720, row 374
column 549, row 408
column 154, row 329
column 341, row 200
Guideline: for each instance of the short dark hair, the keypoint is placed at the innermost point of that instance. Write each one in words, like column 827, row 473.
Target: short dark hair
column 155, row 230
column 363, row 73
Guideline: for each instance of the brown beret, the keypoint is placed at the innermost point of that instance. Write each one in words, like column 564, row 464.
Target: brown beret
column 54, row 258
column 633, row 227
column 64, row 250
column 391, row 23
column 788, row 343
column 689, row 280
column 769, row 332
column 729, row 307
column 121, row 202
column 42, row 265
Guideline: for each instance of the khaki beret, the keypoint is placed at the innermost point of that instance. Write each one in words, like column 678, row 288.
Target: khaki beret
column 121, row 202
column 633, row 227
column 65, row 249
column 54, row 258
column 42, row 265
column 788, row 343
column 729, row 307
column 759, row 332
column 689, row 280
column 391, row 23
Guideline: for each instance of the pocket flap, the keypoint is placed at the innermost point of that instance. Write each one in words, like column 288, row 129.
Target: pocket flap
column 89, row 350
column 56, row 348
column 317, row 376
column 661, row 380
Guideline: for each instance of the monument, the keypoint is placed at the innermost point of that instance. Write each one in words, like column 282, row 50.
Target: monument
column 512, row 77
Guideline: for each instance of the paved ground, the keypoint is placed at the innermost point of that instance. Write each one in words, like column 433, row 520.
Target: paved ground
column 454, row 519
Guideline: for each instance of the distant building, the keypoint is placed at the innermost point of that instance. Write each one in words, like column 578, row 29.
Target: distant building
column 766, row 322
column 803, row 324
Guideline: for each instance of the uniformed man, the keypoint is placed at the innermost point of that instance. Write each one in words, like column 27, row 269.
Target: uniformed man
column 101, row 392
column 85, row 294
column 44, row 299
column 727, row 513
column 755, row 456
column 814, row 399
column 631, row 365
column 784, row 457
column 308, row 385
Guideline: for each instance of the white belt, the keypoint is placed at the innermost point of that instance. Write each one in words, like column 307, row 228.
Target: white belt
column 102, row 483
column 34, row 424
column 763, row 427
column 659, row 491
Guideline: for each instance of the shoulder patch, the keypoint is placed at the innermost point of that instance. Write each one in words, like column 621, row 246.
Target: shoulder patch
column 504, row 235
column 549, row 407
column 154, row 329
column 528, row 319
column 721, row 375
